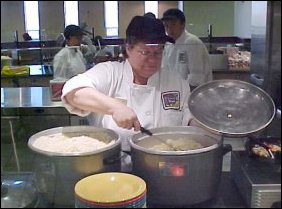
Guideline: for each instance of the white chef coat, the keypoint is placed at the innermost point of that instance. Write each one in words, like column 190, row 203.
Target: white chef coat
column 87, row 48
column 189, row 57
column 67, row 63
column 162, row 102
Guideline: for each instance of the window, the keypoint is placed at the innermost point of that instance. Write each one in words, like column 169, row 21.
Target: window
column 71, row 12
column 31, row 15
column 111, row 17
column 180, row 5
column 152, row 6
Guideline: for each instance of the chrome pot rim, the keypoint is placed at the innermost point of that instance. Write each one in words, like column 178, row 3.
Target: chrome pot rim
column 176, row 130
column 73, row 129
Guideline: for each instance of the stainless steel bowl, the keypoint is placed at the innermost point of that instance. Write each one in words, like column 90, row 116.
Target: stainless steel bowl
column 57, row 173
column 231, row 107
column 102, row 134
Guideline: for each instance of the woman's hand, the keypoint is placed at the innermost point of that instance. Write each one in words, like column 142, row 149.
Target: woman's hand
column 126, row 118
column 90, row 99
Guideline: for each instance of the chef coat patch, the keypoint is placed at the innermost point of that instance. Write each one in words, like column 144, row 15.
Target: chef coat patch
column 171, row 100
column 182, row 57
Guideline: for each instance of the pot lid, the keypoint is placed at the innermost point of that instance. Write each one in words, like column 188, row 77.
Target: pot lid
column 231, row 107
column 17, row 192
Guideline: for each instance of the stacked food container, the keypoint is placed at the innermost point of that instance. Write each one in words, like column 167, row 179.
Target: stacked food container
column 110, row 190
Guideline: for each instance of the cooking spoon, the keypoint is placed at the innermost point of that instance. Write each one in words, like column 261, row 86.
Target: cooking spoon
column 146, row 131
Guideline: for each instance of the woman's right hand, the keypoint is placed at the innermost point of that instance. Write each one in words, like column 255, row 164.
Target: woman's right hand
column 91, row 100
column 125, row 117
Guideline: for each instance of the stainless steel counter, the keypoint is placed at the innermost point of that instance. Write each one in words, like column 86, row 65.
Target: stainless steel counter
column 27, row 97
column 35, row 70
column 41, row 70
column 39, row 75
column 32, row 110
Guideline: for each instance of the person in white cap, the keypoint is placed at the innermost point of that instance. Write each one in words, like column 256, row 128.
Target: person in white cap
column 69, row 61
column 74, row 36
column 125, row 96
column 188, row 56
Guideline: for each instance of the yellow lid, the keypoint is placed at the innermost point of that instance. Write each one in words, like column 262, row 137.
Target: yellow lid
column 110, row 187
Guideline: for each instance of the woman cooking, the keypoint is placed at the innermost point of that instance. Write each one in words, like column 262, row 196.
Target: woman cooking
column 137, row 92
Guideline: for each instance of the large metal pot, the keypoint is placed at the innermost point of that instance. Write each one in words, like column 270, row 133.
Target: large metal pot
column 56, row 173
column 179, row 178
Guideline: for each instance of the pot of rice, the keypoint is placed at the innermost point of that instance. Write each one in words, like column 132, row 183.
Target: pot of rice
column 64, row 155
column 183, row 171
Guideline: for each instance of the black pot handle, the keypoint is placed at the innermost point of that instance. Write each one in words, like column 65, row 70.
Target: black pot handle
column 226, row 148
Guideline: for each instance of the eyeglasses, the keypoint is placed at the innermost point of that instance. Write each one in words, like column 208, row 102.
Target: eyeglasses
column 148, row 54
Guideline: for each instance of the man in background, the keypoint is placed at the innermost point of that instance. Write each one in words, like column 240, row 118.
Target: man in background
column 188, row 56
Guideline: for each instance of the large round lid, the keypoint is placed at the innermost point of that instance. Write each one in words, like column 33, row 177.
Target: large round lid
column 231, row 107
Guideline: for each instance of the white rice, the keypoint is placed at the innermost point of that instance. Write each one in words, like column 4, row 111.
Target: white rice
column 60, row 143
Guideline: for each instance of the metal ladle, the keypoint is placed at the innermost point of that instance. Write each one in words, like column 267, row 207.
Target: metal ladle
column 146, row 131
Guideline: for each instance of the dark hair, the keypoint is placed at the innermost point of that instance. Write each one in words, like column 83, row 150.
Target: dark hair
column 174, row 14
column 150, row 14
column 27, row 37
column 72, row 30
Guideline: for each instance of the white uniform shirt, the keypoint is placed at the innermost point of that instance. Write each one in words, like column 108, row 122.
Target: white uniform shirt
column 67, row 63
column 162, row 102
column 189, row 57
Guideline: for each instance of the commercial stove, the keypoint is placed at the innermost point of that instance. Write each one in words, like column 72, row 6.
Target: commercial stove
column 258, row 180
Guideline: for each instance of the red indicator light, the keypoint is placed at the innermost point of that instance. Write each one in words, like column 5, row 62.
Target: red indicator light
column 177, row 170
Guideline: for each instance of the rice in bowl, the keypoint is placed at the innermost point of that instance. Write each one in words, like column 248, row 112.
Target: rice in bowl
column 61, row 143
